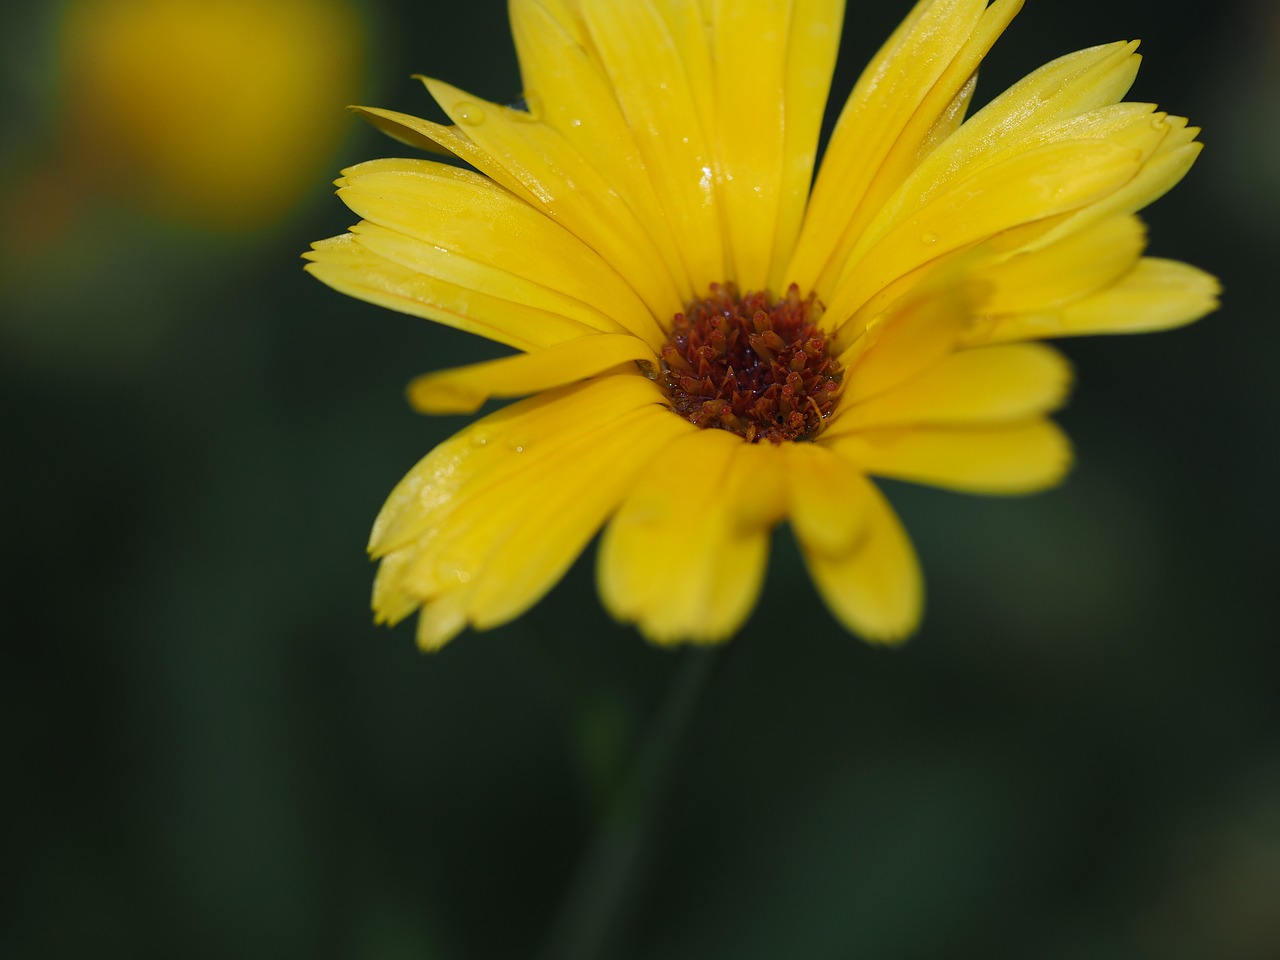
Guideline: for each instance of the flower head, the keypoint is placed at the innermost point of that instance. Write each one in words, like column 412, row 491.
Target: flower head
column 707, row 346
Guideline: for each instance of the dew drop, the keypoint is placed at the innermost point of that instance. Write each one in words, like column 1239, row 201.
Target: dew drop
column 480, row 438
column 469, row 113
column 928, row 238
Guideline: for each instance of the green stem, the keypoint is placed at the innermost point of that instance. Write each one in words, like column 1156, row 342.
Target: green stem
column 611, row 866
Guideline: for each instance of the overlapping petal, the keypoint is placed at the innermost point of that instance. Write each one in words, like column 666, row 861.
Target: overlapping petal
column 464, row 389
column 1026, row 187
column 685, row 555
column 490, row 520
column 453, row 246
column 633, row 44
column 567, row 89
column 1155, row 295
column 1041, row 276
column 912, row 93
column 874, row 589
column 988, row 385
column 1019, row 457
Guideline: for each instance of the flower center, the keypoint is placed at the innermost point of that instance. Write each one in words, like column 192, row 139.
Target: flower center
column 752, row 365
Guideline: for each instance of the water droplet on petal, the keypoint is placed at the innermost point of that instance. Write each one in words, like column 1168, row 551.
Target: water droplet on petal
column 480, row 438
column 469, row 113
column 928, row 238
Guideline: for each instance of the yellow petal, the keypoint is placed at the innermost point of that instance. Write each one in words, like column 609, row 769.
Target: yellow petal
column 522, row 435
column 875, row 588
column 1017, row 119
column 441, row 620
column 519, row 286
column 570, row 190
column 464, row 389
column 647, row 77
column 823, row 504
column 737, row 99
column 907, row 87
column 941, row 125
column 987, row 385
column 347, row 266
column 812, row 43
column 689, row 26
column 549, row 524
column 1032, row 115
column 685, row 555
column 915, row 333
column 1077, row 264
column 1009, row 458
column 406, row 129
column 1155, row 295
column 461, row 227
column 759, row 487
column 566, row 88
column 566, row 14
column 487, row 528
column 1157, row 176
column 1136, row 125
column 1028, row 186
column 390, row 602
column 748, row 42
column 437, row 138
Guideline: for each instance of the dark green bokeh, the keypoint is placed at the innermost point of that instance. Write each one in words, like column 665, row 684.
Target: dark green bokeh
column 217, row 755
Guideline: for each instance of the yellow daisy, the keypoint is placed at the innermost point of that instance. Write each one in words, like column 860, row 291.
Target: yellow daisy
column 709, row 347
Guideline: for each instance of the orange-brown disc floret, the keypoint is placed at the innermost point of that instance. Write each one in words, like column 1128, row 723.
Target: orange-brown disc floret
column 752, row 365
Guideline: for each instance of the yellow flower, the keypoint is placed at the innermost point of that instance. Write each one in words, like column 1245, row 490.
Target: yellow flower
column 713, row 349
column 196, row 109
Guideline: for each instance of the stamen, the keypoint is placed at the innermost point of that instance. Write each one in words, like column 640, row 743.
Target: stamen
column 751, row 365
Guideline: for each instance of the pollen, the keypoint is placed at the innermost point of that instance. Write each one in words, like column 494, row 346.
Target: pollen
column 752, row 365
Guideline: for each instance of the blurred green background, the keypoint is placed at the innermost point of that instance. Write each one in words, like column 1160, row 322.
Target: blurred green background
column 215, row 754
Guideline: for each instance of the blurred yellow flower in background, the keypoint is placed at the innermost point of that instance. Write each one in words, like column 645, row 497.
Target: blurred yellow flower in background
column 714, row 349
column 210, row 113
